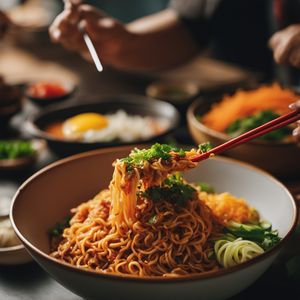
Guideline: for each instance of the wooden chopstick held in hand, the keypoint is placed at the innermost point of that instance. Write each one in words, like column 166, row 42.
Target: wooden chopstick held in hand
column 277, row 123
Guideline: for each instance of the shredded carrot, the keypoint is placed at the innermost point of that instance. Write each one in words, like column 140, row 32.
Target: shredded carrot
column 247, row 103
column 225, row 207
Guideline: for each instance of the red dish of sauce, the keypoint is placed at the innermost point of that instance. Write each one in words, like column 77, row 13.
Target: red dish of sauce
column 46, row 90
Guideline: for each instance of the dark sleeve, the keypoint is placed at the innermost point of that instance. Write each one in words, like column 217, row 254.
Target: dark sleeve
column 196, row 16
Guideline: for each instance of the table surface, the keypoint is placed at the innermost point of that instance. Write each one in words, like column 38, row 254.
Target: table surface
column 28, row 60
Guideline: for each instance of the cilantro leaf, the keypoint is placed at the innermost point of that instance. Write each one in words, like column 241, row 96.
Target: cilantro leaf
column 205, row 147
column 156, row 151
column 173, row 190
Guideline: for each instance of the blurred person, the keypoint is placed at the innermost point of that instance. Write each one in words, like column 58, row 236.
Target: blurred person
column 4, row 24
column 237, row 32
column 286, row 45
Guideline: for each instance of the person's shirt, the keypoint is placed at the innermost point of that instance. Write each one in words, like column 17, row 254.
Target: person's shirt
column 238, row 31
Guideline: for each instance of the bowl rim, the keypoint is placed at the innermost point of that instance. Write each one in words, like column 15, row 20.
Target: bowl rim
column 23, row 161
column 191, row 116
column 126, row 98
column 18, row 164
column 184, row 278
column 154, row 89
column 11, row 248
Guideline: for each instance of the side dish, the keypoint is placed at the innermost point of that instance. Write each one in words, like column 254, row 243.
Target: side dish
column 95, row 127
column 246, row 110
column 14, row 149
column 45, row 90
column 8, row 237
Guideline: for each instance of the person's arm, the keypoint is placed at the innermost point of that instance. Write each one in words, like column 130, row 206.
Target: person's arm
column 155, row 42
column 286, row 46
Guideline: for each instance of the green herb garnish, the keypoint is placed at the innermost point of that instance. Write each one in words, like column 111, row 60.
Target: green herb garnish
column 260, row 233
column 157, row 151
column 15, row 149
column 173, row 189
column 243, row 125
column 59, row 227
column 205, row 147
column 205, row 187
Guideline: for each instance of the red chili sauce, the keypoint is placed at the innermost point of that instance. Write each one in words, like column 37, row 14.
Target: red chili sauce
column 46, row 90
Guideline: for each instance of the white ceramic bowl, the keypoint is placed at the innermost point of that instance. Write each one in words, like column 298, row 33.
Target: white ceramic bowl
column 47, row 196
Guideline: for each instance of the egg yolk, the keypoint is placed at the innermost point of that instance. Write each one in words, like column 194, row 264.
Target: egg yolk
column 84, row 122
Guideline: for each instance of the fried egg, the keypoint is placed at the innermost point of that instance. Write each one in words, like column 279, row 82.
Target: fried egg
column 93, row 127
column 77, row 126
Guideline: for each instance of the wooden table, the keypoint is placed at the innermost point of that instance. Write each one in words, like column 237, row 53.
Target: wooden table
column 35, row 58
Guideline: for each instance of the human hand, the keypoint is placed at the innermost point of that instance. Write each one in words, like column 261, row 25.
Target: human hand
column 296, row 131
column 286, row 45
column 108, row 35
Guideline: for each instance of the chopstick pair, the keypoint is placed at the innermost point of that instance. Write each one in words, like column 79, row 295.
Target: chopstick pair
column 277, row 123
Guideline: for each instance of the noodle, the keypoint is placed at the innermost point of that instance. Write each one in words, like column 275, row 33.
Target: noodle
column 178, row 243
column 124, row 184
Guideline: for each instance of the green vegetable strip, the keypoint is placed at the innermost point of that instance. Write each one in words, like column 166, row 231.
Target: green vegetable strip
column 243, row 125
column 261, row 233
column 233, row 252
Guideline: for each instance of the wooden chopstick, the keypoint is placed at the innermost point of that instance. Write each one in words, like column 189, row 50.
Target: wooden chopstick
column 252, row 134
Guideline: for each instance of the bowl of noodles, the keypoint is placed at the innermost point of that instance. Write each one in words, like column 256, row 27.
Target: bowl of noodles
column 144, row 223
column 227, row 116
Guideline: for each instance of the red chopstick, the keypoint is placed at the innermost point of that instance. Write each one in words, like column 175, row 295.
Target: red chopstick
column 252, row 134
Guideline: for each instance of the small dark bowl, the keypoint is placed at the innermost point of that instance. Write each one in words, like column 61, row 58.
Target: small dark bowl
column 131, row 104
column 69, row 87
column 7, row 112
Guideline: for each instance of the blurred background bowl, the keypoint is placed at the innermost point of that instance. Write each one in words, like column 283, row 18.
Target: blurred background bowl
column 24, row 162
column 11, row 102
column 180, row 93
column 15, row 255
column 41, row 92
column 74, row 180
column 279, row 158
column 131, row 104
